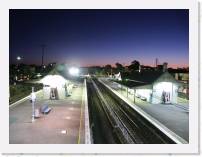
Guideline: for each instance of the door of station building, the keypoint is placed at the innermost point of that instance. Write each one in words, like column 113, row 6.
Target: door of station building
column 166, row 97
column 53, row 94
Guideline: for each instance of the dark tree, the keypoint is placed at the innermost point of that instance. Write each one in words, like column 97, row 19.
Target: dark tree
column 134, row 65
column 95, row 70
column 119, row 67
column 108, row 69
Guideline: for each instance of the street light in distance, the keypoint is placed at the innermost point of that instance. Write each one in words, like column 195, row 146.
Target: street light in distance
column 18, row 58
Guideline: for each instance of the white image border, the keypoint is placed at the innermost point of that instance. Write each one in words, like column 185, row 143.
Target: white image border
column 191, row 148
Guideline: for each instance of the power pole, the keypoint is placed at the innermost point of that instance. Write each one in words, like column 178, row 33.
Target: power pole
column 42, row 57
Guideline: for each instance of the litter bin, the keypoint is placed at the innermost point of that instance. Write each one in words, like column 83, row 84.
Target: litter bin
column 37, row 113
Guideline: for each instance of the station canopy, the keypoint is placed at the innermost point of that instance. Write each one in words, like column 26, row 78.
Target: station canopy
column 54, row 79
column 146, row 79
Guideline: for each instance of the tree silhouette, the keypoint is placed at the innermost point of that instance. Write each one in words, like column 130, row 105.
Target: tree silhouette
column 134, row 65
column 108, row 68
column 119, row 67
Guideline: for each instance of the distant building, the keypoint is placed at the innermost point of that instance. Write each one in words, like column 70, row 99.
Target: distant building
column 52, row 64
column 162, row 67
column 147, row 68
column 118, row 76
column 182, row 75
column 165, row 66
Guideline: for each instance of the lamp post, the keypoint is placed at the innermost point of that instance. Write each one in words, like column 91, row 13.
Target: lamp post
column 33, row 99
column 18, row 58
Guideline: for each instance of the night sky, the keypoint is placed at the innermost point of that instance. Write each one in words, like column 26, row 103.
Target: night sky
column 99, row 37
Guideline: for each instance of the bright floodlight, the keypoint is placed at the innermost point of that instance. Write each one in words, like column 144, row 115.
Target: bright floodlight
column 74, row 71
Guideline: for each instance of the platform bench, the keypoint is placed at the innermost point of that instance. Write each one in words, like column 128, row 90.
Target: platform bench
column 45, row 109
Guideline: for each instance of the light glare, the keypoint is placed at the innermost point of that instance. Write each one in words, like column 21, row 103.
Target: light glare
column 74, row 71
column 18, row 58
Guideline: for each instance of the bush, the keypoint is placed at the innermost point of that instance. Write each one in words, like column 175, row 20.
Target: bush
column 20, row 91
column 183, row 95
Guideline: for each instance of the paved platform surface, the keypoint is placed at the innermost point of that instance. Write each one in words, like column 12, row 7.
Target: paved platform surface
column 63, row 125
column 172, row 116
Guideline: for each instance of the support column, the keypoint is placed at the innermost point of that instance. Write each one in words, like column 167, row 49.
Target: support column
column 134, row 95
column 127, row 92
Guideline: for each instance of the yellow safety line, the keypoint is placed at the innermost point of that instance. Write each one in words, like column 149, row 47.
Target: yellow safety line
column 81, row 117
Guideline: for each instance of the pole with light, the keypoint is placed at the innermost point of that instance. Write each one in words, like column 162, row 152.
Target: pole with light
column 33, row 99
column 18, row 58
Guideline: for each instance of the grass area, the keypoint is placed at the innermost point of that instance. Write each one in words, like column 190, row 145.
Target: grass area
column 20, row 91
column 183, row 95
column 182, row 101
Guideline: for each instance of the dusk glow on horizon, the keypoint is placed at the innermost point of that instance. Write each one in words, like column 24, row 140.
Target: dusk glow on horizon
column 100, row 37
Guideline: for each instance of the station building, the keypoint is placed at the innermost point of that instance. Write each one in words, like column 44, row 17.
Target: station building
column 182, row 75
column 55, row 85
column 152, row 86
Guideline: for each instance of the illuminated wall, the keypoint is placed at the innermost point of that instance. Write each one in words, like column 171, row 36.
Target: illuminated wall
column 155, row 95
column 167, row 87
column 54, row 81
column 46, row 92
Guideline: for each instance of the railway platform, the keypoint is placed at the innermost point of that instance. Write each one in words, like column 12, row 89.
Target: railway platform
column 63, row 125
column 174, row 118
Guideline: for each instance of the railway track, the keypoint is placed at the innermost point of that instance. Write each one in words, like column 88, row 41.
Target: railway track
column 130, row 128
column 100, row 123
column 128, row 125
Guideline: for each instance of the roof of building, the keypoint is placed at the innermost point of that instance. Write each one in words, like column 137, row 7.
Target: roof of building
column 131, row 83
column 182, row 70
column 145, row 78
column 142, row 77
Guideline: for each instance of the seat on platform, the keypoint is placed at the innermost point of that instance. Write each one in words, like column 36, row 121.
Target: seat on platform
column 45, row 109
